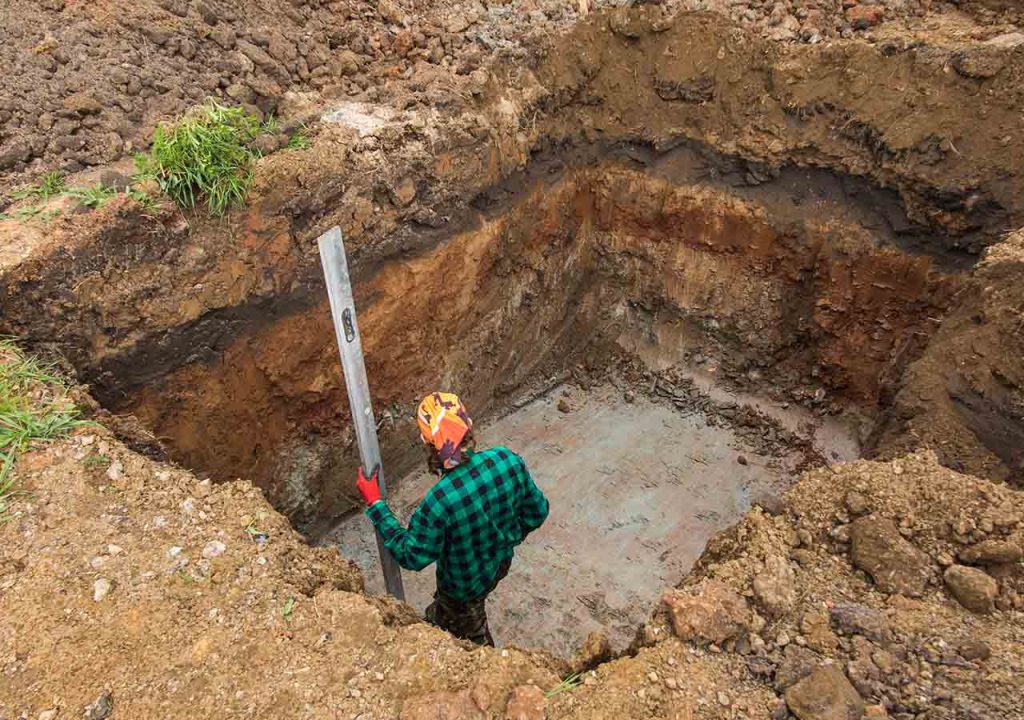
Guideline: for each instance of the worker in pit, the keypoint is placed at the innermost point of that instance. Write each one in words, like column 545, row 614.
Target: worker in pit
column 484, row 505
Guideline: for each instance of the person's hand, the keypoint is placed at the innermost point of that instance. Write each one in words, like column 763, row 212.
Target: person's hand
column 369, row 489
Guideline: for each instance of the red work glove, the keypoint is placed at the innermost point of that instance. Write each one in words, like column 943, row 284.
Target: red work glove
column 369, row 489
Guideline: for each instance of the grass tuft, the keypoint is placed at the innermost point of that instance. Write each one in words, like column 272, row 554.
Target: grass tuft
column 299, row 141
column 570, row 682
column 92, row 197
column 206, row 155
column 33, row 407
column 52, row 184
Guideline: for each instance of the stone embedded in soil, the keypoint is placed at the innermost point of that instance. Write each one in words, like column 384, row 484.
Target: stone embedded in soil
column 101, row 708
column 825, row 694
column 973, row 649
column 853, row 619
column 992, row 552
column 895, row 564
column 711, row 612
column 526, row 703
column 213, row 549
column 100, row 589
column 775, row 587
column 972, row 588
column 797, row 663
column 864, row 16
column 817, row 632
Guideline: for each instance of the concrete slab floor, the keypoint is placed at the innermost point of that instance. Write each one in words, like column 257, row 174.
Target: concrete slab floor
column 636, row 490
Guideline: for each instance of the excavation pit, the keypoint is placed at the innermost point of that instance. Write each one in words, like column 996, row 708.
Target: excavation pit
column 756, row 328
column 746, row 314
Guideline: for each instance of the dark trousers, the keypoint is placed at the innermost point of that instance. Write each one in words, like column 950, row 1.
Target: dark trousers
column 465, row 620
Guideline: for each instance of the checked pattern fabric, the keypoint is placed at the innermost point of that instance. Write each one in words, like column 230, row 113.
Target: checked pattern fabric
column 469, row 523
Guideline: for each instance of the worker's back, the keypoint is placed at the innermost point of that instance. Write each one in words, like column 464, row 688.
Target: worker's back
column 488, row 505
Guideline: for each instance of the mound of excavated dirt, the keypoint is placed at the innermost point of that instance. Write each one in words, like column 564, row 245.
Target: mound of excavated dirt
column 87, row 82
column 125, row 579
column 129, row 586
column 862, row 573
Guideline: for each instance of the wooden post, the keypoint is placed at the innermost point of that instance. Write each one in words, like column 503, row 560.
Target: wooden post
column 343, row 310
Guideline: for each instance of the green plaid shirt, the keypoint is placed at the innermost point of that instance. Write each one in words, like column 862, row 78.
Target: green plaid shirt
column 469, row 522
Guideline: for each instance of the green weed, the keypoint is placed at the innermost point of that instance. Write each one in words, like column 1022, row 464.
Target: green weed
column 570, row 682
column 299, row 141
column 271, row 125
column 96, row 460
column 144, row 199
column 205, row 155
column 289, row 607
column 32, row 407
column 92, row 197
column 51, row 185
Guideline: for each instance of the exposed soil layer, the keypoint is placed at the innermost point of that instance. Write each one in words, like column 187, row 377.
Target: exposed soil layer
column 772, row 208
column 815, row 305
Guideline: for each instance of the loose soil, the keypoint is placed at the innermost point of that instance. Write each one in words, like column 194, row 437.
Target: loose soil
column 736, row 217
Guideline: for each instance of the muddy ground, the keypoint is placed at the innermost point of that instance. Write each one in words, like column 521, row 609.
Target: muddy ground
column 813, row 202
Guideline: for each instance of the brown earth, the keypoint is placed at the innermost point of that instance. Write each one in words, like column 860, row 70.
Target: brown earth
column 130, row 580
column 87, row 82
column 811, row 215
column 224, row 321
column 965, row 396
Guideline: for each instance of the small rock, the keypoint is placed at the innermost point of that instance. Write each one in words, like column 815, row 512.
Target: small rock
column 404, row 192
column 390, row 11
column 564, row 405
column 114, row 471
column 853, row 619
column 100, row 589
column 213, row 549
column 83, row 104
column 50, row 714
column 804, row 557
column 825, row 694
column 896, row 565
column 863, row 17
column 819, row 635
column 723, row 699
column 797, row 663
column 856, row 503
column 526, row 703
column 875, row 712
column 741, row 460
column 980, row 62
column 992, row 552
column 973, row 649
column 709, row 612
column 597, row 648
column 624, row 22
column 971, row 587
column 265, row 144
column 775, row 588
column 101, row 708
